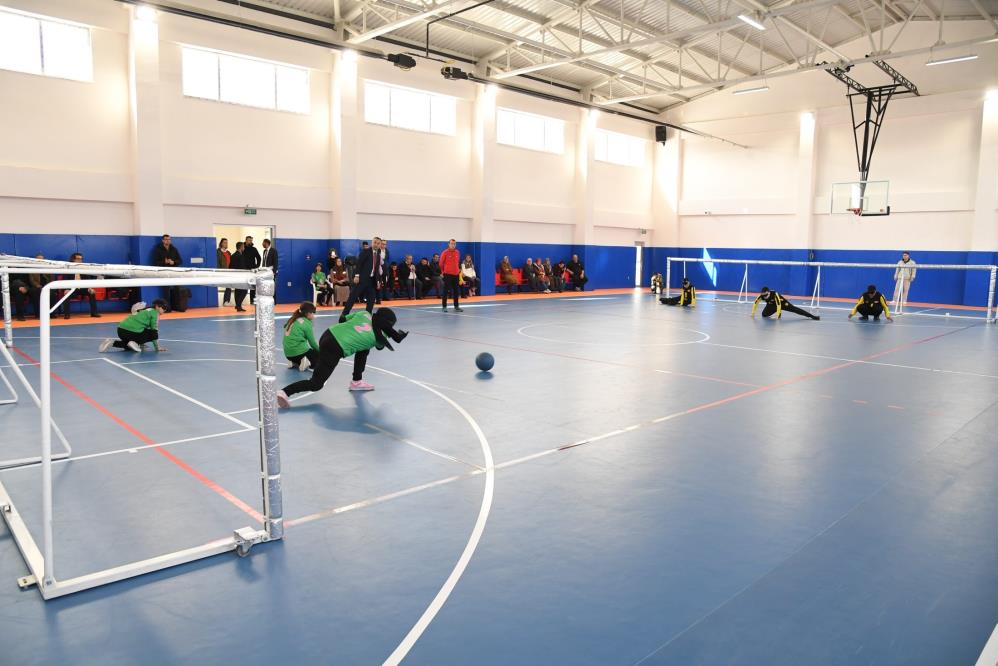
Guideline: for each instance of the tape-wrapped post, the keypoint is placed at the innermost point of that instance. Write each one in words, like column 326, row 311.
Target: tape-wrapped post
column 270, row 446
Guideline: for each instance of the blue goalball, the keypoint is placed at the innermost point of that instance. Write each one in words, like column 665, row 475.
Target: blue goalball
column 484, row 361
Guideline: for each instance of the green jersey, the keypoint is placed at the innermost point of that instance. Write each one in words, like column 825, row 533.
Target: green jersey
column 300, row 338
column 355, row 334
column 143, row 320
column 318, row 278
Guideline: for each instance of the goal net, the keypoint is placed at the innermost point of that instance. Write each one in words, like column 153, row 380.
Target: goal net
column 928, row 289
column 39, row 553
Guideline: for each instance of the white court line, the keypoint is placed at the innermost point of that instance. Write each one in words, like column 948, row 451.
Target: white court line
column 406, row 440
column 465, row 305
column 182, row 395
column 853, row 360
column 989, row 657
column 589, row 298
column 520, row 331
column 134, row 449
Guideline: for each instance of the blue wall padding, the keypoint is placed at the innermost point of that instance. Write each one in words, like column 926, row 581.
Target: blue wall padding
column 607, row 266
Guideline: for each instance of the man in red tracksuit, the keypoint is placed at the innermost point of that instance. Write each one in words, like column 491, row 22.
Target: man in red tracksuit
column 450, row 267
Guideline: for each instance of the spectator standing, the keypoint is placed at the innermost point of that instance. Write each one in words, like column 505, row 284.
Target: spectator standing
column 222, row 260
column 251, row 262
column 366, row 279
column 904, row 275
column 469, row 275
column 165, row 254
column 269, row 259
column 383, row 290
column 237, row 262
column 578, row 271
column 450, row 268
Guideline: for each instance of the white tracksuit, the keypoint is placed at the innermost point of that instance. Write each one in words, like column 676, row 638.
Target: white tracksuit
column 904, row 275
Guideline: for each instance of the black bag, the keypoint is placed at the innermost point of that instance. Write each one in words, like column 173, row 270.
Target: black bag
column 178, row 298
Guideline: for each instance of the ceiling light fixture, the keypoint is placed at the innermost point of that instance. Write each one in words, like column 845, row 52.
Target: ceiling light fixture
column 752, row 22
column 746, row 91
column 946, row 61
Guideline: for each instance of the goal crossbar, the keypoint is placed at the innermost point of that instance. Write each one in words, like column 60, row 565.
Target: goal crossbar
column 41, row 561
column 991, row 269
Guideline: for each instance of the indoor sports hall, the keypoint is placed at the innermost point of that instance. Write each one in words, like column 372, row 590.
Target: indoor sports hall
column 499, row 332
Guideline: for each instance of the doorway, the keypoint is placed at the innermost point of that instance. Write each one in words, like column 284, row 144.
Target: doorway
column 235, row 233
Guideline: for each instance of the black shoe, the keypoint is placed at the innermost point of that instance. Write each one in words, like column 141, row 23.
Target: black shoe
column 876, row 318
column 342, row 319
column 95, row 315
column 864, row 318
column 65, row 316
column 240, row 309
column 445, row 308
column 816, row 318
column 458, row 310
column 20, row 317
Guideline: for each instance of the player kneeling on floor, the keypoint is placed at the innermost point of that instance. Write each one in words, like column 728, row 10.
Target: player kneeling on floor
column 871, row 302
column 355, row 337
column 300, row 347
column 688, row 296
column 776, row 304
column 138, row 328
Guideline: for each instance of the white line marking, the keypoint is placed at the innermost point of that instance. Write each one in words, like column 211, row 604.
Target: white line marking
column 182, row 395
column 853, row 360
column 989, row 657
column 465, row 305
column 406, row 440
column 587, row 298
column 438, row 601
column 136, row 449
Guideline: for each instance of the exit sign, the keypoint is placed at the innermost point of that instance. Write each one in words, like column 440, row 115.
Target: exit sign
column 249, row 211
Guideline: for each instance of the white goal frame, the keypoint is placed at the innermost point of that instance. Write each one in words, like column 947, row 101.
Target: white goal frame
column 743, row 294
column 41, row 561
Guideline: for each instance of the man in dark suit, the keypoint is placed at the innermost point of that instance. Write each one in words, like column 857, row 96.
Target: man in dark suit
column 236, row 263
column 251, row 262
column 367, row 277
column 77, row 258
column 269, row 259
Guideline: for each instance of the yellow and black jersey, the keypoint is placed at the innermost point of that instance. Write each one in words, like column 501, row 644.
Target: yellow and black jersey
column 689, row 296
column 869, row 300
column 774, row 297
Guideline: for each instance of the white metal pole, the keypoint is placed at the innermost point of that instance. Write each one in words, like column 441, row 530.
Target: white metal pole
column 8, row 327
column 48, row 577
column 270, row 451
column 668, row 275
column 743, row 288
column 991, row 294
column 816, row 294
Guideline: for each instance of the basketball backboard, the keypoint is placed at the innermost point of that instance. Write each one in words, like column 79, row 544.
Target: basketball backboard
column 863, row 197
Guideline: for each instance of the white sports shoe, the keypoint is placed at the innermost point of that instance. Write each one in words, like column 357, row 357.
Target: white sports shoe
column 134, row 346
column 304, row 364
column 361, row 386
column 282, row 400
column 104, row 345
column 291, row 365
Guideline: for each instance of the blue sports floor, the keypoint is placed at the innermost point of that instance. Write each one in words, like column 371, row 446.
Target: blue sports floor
column 632, row 484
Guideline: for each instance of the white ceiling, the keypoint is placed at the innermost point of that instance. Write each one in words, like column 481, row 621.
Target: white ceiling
column 662, row 54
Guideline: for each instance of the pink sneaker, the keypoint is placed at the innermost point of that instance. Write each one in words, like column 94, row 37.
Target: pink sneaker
column 361, row 386
column 282, row 400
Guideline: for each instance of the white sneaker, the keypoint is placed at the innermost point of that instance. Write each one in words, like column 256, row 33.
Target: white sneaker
column 304, row 364
column 282, row 400
column 291, row 365
column 104, row 345
column 134, row 346
column 360, row 386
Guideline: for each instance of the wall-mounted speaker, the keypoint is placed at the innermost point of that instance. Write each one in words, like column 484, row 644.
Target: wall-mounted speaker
column 660, row 133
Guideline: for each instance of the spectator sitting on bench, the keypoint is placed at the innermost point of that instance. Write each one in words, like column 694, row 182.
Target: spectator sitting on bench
column 556, row 278
column 530, row 275
column 437, row 274
column 507, row 276
column 91, row 296
column 543, row 277
column 469, row 276
column 339, row 281
column 424, row 276
column 410, row 280
column 578, row 271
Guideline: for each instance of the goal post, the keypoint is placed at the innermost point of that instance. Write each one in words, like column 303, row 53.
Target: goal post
column 41, row 561
column 951, row 284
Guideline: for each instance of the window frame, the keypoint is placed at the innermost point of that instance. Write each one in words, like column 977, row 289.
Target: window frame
column 545, row 121
column 275, row 67
column 430, row 96
column 41, row 20
column 632, row 142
